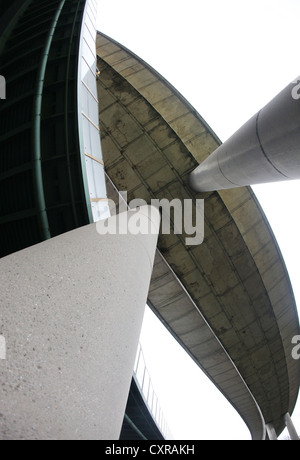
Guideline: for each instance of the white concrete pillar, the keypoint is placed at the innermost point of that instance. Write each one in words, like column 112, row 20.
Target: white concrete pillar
column 291, row 428
column 271, row 432
column 71, row 310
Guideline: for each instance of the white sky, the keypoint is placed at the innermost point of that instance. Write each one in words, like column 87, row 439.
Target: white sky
column 228, row 58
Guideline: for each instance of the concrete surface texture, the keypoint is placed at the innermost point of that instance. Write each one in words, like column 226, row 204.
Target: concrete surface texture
column 71, row 313
column 235, row 281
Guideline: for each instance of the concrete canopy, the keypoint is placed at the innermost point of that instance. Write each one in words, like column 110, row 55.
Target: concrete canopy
column 229, row 300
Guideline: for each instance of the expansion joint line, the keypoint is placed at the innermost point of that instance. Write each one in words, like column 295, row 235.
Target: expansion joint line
column 262, row 148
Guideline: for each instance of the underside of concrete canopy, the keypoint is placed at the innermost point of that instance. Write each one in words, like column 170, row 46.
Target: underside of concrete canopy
column 228, row 301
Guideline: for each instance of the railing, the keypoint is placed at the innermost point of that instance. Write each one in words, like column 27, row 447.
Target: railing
column 144, row 381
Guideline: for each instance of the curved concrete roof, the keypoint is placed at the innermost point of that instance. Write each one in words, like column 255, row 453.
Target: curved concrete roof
column 229, row 300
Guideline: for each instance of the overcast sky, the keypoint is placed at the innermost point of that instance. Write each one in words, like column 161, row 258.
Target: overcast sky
column 228, row 58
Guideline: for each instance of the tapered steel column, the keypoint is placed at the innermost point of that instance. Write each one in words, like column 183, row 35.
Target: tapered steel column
column 265, row 149
column 291, row 428
column 271, row 432
column 71, row 311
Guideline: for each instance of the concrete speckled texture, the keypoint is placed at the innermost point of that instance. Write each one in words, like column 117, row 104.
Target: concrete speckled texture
column 71, row 311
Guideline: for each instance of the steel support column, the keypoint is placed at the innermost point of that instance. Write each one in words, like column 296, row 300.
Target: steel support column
column 265, row 149
column 291, row 428
column 271, row 432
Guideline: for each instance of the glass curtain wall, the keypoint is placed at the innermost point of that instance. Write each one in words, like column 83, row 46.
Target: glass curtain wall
column 51, row 170
column 89, row 115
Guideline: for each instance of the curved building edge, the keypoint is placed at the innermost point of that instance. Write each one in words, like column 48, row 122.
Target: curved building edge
column 115, row 56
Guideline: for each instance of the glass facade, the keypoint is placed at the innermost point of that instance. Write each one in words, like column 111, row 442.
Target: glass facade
column 143, row 381
column 51, row 169
column 89, row 116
